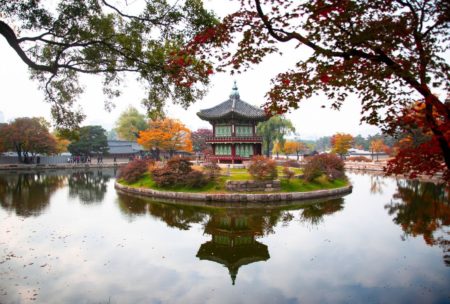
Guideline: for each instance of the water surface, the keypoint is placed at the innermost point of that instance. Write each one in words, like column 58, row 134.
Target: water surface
column 68, row 237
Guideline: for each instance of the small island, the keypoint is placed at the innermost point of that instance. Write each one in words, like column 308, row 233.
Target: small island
column 259, row 180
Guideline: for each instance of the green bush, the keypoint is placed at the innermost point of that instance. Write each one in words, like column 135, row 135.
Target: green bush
column 262, row 168
column 133, row 171
column 329, row 164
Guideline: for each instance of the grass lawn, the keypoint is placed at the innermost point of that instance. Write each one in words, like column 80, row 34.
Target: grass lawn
column 218, row 186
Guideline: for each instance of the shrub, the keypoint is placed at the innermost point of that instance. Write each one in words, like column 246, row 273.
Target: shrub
column 195, row 179
column 289, row 174
column 262, row 168
column 179, row 165
column 292, row 163
column 329, row 164
column 212, row 170
column 164, row 177
column 359, row 159
column 178, row 172
column 133, row 171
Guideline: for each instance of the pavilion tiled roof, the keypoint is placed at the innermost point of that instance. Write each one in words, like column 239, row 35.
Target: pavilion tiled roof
column 234, row 107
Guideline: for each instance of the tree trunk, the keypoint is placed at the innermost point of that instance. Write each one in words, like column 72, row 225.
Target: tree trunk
column 19, row 152
column 268, row 149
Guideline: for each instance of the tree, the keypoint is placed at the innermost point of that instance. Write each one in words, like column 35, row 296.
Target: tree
column 198, row 139
column 27, row 136
column 390, row 53
column 341, row 143
column 72, row 37
column 277, row 149
column 294, row 147
column 377, row 146
column 165, row 134
column 323, row 144
column 61, row 143
column 273, row 130
column 91, row 140
column 130, row 123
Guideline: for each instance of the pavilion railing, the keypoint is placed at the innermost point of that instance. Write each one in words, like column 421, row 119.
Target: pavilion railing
column 218, row 139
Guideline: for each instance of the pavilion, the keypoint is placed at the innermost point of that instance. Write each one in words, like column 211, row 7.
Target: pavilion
column 234, row 129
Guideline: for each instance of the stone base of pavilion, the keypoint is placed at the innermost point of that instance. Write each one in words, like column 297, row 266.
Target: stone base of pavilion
column 236, row 197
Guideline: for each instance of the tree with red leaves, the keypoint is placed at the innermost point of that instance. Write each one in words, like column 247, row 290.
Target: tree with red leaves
column 388, row 53
column 199, row 139
column 28, row 137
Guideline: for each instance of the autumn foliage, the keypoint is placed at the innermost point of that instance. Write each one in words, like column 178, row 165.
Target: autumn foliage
column 133, row 171
column 262, row 168
column 341, row 142
column 388, row 53
column 324, row 164
column 166, row 134
column 178, row 172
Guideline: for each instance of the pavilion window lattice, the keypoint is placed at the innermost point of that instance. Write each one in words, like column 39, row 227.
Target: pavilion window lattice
column 222, row 131
column 244, row 131
column 223, row 150
column 244, row 150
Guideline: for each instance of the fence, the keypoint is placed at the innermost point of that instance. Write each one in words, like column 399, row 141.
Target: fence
column 45, row 160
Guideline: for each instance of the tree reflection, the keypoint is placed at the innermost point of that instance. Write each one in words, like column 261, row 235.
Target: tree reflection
column 28, row 194
column 314, row 214
column 88, row 186
column 423, row 209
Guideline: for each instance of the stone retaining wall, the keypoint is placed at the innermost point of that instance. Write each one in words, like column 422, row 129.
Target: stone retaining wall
column 235, row 197
column 253, row 186
column 57, row 166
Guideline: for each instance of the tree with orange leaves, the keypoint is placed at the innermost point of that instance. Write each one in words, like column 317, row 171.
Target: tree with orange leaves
column 165, row 134
column 294, row 147
column 377, row 146
column 341, row 143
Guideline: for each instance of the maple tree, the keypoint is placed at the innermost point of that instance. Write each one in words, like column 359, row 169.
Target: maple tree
column 294, row 147
column 340, row 143
column 388, row 53
column 64, row 39
column 198, row 140
column 28, row 137
column 165, row 134
column 377, row 146
column 418, row 150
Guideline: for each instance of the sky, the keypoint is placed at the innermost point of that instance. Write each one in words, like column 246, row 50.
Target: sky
column 20, row 96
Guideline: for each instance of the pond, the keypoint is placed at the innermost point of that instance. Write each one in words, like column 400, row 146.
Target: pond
column 68, row 237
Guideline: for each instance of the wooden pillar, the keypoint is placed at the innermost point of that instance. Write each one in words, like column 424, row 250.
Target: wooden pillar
column 233, row 152
column 214, row 128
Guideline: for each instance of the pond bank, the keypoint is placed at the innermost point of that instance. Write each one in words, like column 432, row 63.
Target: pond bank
column 235, row 197
column 59, row 166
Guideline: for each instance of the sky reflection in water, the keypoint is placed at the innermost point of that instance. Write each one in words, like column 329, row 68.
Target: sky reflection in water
column 68, row 237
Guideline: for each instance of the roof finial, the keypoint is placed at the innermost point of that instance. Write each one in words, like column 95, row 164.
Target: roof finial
column 234, row 92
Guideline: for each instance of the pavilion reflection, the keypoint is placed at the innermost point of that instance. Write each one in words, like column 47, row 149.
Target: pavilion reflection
column 234, row 231
column 28, row 194
column 423, row 209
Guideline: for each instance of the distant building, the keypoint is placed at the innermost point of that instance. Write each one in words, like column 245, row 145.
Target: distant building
column 234, row 129
column 124, row 148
